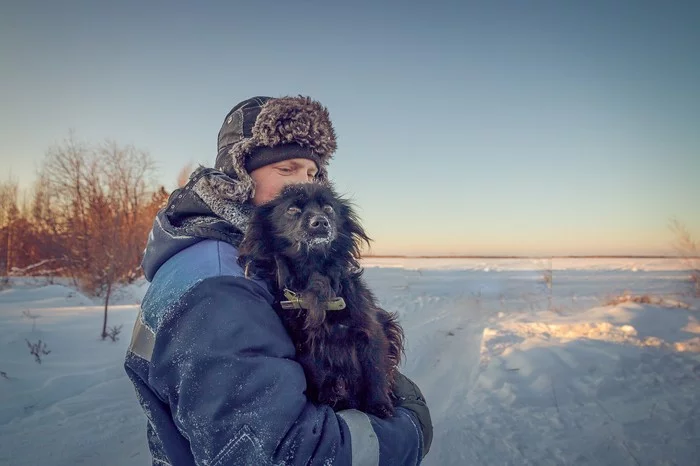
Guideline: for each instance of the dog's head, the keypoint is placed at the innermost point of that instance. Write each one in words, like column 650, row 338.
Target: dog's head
column 306, row 220
column 306, row 217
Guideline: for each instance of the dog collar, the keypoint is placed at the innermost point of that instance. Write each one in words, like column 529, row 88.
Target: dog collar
column 296, row 302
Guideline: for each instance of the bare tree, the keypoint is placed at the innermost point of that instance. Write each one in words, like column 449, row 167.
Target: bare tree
column 9, row 215
column 30, row 315
column 127, row 178
column 48, row 246
column 37, row 349
column 547, row 277
column 65, row 174
column 688, row 251
column 113, row 332
column 131, row 187
column 98, row 197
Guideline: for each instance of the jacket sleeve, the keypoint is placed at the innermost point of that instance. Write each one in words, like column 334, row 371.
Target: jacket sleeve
column 224, row 363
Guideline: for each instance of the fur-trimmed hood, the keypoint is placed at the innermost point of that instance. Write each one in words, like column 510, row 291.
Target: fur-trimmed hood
column 263, row 130
column 205, row 208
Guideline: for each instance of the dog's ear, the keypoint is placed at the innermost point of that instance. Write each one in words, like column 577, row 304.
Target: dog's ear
column 353, row 228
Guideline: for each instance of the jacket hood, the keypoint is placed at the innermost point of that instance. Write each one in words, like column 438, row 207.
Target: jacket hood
column 205, row 208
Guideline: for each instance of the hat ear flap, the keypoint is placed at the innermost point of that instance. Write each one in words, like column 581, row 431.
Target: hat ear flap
column 322, row 177
column 245, row 187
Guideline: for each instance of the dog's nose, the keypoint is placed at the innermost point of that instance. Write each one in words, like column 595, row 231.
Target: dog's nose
column 319, row 222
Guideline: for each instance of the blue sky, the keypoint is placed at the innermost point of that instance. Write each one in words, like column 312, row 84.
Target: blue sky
column 474, row 128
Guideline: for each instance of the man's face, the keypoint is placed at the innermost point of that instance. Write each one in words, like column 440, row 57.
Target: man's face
column 270, row 179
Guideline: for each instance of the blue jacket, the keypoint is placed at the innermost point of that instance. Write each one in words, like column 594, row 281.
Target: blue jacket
column 215, row 373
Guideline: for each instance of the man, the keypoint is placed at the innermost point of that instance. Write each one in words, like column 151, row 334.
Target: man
column 212, row 364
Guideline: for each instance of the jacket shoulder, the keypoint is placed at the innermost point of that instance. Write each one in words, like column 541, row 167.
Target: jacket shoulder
column 185, row 270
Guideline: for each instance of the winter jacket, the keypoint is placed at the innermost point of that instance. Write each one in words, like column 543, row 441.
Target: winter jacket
column 214, row 368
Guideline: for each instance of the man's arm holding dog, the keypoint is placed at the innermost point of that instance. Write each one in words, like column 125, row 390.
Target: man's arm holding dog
column 224, row 363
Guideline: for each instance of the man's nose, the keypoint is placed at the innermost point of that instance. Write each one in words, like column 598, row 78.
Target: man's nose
column 300, row 178
column 319, row 222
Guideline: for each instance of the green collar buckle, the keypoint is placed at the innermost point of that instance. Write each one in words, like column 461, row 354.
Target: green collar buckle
column 296, row 302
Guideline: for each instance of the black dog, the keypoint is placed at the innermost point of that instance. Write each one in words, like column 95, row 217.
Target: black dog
column 306, row 243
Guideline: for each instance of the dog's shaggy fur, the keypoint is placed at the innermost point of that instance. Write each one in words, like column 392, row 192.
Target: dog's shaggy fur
column 308, row 240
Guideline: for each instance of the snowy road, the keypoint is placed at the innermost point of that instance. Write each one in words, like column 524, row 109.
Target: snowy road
column 512, row 376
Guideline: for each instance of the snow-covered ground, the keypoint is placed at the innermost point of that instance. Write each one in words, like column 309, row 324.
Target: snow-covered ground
column 514, row 372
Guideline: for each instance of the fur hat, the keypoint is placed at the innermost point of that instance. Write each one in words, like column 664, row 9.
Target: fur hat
column 264, row 130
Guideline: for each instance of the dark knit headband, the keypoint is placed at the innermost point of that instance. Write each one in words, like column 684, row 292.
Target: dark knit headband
column 261, row 156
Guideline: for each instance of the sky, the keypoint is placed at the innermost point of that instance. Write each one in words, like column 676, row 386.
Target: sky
column 475, row 128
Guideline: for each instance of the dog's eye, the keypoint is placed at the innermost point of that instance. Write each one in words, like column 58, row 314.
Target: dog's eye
column 293, row 210
column 328, row 209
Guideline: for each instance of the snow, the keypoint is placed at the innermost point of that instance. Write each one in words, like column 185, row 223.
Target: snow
column 513, row 374
column 486, row 264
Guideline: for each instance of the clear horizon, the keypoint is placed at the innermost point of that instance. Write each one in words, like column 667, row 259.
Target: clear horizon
column 487, row 129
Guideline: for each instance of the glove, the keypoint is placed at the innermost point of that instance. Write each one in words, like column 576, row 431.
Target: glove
column 408, row 395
